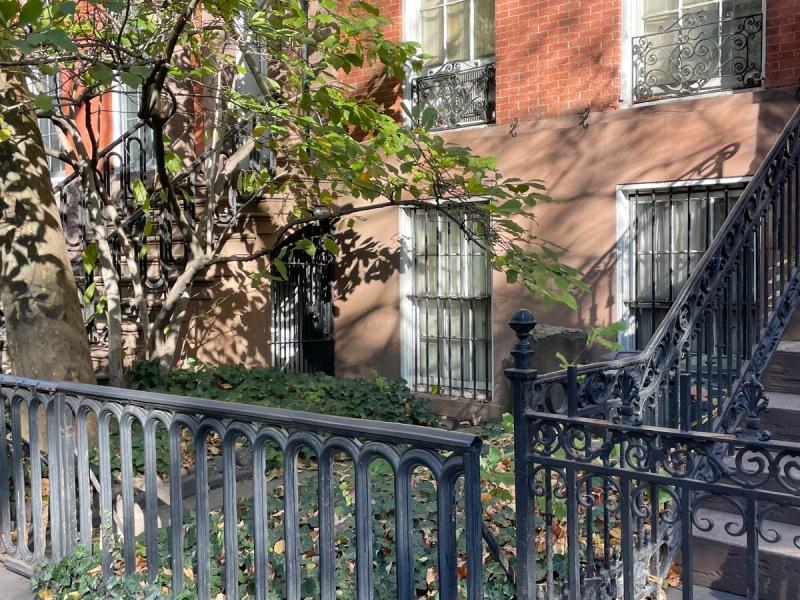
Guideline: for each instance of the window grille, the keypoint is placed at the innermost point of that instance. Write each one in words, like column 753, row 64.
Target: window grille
column 671, row 228
column 301, row 324
column 450, row 284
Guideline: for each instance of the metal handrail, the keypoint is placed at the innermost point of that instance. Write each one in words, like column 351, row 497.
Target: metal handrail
column 412, row 434
column 652, row 364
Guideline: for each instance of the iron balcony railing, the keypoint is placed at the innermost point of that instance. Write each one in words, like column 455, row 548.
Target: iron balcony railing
column 463, row 94
column 237, row 498
column 700, row 52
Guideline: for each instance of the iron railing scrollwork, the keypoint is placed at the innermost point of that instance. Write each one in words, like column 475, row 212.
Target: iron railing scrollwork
column 462, row 94
column 123, row 162
column 186, row 478
column 700, row 52
column 604, row 504
column 699, row 375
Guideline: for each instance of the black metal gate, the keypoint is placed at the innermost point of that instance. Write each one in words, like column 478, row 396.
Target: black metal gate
column 302, row 311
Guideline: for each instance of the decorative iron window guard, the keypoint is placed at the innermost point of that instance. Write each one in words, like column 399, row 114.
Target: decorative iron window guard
column 699, row 53
column 461, row 92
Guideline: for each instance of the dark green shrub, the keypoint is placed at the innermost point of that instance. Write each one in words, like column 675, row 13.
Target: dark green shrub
column 376, row 398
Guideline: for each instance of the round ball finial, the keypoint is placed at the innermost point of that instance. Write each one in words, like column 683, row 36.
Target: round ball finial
column 522, row 322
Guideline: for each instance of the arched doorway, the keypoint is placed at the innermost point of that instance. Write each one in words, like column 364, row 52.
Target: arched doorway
column 302, row 308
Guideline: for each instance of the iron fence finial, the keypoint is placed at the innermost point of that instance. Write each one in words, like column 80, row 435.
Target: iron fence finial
column 523, row 323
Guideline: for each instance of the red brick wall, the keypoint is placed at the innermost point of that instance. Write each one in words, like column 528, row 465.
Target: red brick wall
column 373, row 81
column 557, row 57
column 783, row 43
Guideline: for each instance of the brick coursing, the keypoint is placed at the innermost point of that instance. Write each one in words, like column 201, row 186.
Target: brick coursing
column 783, row 43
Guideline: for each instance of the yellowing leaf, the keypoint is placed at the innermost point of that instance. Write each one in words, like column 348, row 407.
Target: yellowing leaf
column 279, row 547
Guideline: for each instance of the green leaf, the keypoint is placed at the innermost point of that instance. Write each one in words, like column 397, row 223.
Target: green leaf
column 130, row 79
column 88, row 293
column 43, row 102
column 173, row 162
column 102, row 73
column 428, row 117
column 306, row 246
column 140, row 193
column 281, row 268
column 30, row 12
column 60, row 39
column 89, row 257
column 67, row 8
column 331, row 246
column 8, row 9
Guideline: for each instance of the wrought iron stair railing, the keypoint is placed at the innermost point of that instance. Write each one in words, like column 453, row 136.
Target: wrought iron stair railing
column 726, row 321
column 680, row 420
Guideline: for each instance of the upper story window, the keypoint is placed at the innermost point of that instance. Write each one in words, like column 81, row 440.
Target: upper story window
column 457, row 30
column 50, row 136
column 138, row 147
column 458, row 38
column 687, row 47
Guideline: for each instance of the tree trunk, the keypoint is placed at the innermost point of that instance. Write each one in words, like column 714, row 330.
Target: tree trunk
column 44, row 323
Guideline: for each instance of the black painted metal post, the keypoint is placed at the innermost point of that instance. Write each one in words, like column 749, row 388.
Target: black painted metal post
column 573, row 515
column 521, row 376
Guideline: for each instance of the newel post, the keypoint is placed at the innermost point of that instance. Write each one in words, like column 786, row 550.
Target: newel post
column 521, row 375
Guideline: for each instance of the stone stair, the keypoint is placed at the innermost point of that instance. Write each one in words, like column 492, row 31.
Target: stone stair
column 720, row 559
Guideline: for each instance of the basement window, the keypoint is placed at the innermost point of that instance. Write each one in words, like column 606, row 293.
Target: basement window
column 668, row 231
column 448, row 304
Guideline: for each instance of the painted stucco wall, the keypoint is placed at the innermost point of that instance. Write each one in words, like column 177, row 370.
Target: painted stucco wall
column 694, row 139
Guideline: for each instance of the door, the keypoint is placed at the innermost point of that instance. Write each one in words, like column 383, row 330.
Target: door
column 302, row 312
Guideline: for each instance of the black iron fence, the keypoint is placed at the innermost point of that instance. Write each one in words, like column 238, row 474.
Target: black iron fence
column 463, row 94
column 217, row 497
column 700, row 52
column 605, row 507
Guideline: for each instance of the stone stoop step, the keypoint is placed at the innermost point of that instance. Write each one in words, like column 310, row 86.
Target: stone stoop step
column 702, row 593
column 783, row 371
column 720, row 559
column 783, row 418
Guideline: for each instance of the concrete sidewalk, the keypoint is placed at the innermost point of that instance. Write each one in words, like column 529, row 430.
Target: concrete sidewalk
column 13, row 586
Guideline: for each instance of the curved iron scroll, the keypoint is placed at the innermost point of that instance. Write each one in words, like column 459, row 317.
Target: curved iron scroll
column 700, row 52
column 462, row 94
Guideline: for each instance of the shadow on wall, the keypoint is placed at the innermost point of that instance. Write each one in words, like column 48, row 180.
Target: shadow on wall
column 229, row 320
column 362, row 261
column 363, row 271
column 598, row 306
column 385, row 90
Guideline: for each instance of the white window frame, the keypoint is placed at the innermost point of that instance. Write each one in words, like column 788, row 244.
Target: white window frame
column 408, row 335
column 120, row 126
column 632, row 17
column 55, row 179
column 624, row 245
column 412, row 28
